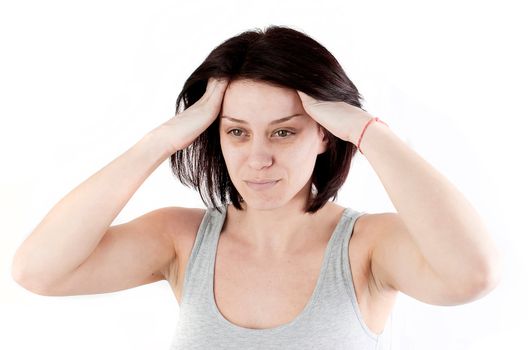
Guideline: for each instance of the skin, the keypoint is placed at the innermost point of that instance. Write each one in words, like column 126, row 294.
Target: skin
column 273, row 221
column 435, row 248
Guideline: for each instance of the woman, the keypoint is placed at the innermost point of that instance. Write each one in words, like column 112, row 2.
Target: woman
column 269, row 128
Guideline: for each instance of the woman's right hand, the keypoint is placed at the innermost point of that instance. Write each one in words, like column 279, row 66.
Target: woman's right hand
column 182, row 129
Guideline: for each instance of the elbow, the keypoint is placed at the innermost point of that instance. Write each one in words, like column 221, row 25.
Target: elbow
column 31, row 287
column 18, row 275
column 492, row 271
column 28, row 284
column 486, row 279
column 492, row 274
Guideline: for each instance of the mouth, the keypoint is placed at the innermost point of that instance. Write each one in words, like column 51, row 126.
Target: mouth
column 261, row 185
column 263, row 181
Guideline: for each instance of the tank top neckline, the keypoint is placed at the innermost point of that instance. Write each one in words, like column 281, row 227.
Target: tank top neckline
column 220, row 219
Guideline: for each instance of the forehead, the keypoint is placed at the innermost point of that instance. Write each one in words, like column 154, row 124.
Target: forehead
column 250, row 100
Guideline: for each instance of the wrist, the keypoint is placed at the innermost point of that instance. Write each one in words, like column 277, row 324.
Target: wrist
column 371, row 132
column 359, row 124
column 158, row 142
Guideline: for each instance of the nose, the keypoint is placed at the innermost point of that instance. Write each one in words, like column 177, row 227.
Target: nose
column 260, row 154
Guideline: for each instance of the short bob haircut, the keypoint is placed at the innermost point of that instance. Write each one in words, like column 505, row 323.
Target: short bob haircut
column 282, row 57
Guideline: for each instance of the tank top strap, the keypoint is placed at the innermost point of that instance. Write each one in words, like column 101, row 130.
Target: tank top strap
column 198, row 265
column 349, row 221
column 342, row 234
column 340, row 258
column 329, row 321
column 344, row 256
column 337, row 292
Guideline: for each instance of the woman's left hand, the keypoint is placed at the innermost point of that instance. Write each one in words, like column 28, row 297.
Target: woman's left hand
column 340, row 118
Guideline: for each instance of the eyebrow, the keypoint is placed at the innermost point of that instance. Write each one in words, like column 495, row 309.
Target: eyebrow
column 277, row 121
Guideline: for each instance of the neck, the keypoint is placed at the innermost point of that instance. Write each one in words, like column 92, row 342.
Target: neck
column 273, row 232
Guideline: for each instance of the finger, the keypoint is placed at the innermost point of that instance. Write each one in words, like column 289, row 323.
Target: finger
column 220, row 88
column 304, row 97
column 211, row 83
column 214, row 85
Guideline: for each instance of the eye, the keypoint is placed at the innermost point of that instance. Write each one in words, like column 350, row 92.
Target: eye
column 290, row 133
column 236, row 134
column 230, row 131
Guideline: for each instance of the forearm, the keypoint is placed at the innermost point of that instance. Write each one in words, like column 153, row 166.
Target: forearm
column 70, row 232
column 448, row 230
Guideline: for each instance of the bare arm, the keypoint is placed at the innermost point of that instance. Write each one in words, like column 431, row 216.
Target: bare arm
column 76, row 225
column 73, row 228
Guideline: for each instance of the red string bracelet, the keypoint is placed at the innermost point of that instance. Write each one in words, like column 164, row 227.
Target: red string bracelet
column 375, row 119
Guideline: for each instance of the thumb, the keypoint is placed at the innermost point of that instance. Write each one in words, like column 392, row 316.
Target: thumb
column 306, row 99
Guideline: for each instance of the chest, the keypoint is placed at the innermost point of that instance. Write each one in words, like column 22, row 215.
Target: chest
column 265, row 293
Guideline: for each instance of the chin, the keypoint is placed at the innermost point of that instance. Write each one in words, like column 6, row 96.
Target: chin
column 264, row 204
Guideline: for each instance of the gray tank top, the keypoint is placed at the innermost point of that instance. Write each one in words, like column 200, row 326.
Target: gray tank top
column 330, row 320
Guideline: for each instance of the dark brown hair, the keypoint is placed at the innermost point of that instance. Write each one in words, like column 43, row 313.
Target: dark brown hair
column 283, row 57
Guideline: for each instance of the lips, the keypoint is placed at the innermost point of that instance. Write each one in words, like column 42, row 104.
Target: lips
column 262, row 185
column 261, row 181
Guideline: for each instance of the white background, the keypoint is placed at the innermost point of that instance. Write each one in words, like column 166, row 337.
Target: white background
column 81, row 82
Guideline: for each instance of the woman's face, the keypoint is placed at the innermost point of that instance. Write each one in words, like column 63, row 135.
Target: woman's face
column 257, row 147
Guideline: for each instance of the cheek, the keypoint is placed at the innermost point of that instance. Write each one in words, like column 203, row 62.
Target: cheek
column 303, row 161
column 304, row 150
column 232, row 155
column 303, row 157
column 225, row 147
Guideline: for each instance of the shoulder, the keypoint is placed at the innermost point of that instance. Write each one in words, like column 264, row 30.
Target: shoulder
column 377, row 227
column 180, row 226
column 370, row 225
column 373, row 228
column 363, row 237
column 367, row 233
column 183, row 224
column 391, row 251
